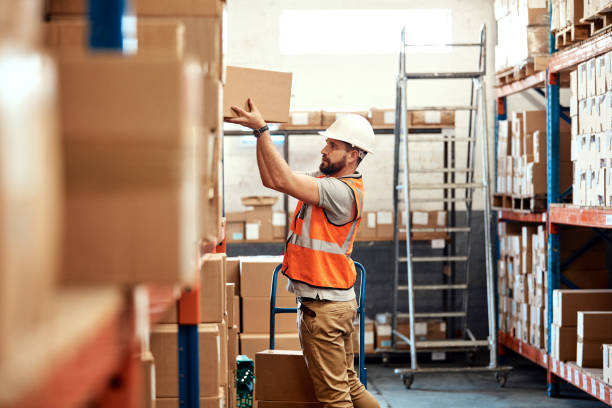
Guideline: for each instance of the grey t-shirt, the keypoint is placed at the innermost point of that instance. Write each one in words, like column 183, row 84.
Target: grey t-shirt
column 338, row 201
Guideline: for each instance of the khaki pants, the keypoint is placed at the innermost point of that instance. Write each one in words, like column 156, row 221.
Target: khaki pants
column 326, row 329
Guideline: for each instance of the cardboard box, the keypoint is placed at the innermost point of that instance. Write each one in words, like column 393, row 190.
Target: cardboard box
column 594, row 325
column 600, row 74
column 237, row 314
column 327, row 118
column 233, row 348
column 232, row 272
column 575, row 10
column 384, row 224
column 256, row 315
column 589, row 353
column 294, row 385
column 368, row 334
column 217, row 401
column 382, row 118
column 607, row 363
column 279, row 224
column 256, row 277
column 383, row 335
column 230, row 306
column 287, row 404
column 155, row 36
column 303, row 120
column 563, row 342
column 179, row 8
column 250, row 344
column 367, row 228
column 164, row 347
column 270, row 90
column 212, row 289
column 130, row 161
column 259, row 225
column 235, row 226
column 147, row 365
column 566, row 304
column 442, row 118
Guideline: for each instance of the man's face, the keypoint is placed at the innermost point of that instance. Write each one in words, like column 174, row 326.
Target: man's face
column 334, row 156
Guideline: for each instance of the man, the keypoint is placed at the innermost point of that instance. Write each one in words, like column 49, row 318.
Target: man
column 317, row 255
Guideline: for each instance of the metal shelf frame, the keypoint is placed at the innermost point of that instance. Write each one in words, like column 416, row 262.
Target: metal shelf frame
column 557, row 214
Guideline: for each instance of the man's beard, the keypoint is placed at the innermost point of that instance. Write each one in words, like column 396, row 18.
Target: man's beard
column 328, row 167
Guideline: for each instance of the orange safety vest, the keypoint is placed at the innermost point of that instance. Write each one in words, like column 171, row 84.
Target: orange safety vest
column 318, row 252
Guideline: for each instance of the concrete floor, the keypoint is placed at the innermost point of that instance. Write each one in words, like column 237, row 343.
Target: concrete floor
column 526, row 387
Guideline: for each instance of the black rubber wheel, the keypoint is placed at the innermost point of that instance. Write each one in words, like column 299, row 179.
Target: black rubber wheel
column 407, row 379
column 501, row 378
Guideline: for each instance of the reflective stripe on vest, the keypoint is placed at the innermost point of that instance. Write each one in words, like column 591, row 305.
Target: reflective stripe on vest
column 318, row 252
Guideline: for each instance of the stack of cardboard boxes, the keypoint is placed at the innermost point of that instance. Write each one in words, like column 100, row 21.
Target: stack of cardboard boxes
column 379, row 225
column 379, row 118
column 566, row 13
column 576, row 333
column 522, row 31
column 258, row 223
column 591, row 111
column 522, row 282
column 424, row 329
column 255, row 285
column 521, row 165
column 218, row 334
column 523, row 276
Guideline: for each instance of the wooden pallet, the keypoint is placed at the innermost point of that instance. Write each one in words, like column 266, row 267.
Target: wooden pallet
column 519, row 203
column 571, row 35
column 528, row 67
column 600, row 21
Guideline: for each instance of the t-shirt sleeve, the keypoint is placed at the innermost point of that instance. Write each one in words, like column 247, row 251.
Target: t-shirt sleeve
column 337, row 199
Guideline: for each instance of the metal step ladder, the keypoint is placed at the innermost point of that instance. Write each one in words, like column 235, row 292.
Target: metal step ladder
column 455, row 263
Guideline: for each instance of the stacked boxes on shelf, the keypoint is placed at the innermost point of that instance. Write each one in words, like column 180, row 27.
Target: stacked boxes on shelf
column 258, row 223
column 424, row 329
column 521, row 165
column 379, row 118
column 572, row 332
column 566, row 13
column 591, row 111
column 522, row 31
column 255, row 285
column 218, row 333
column 522, row 282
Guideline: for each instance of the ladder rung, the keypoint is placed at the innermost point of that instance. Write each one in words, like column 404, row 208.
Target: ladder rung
column 441, row 229
column 444, row 75
column 439, row 314
column 434, row 259
column 438, row 170
column 429, row 344
column 435, row 287
column 442, row 108
column 444, row 186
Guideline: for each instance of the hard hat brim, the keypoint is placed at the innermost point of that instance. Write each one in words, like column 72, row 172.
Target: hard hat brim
column 329, row 135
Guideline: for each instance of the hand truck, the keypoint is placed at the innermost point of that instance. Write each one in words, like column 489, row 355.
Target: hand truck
column 363, row 374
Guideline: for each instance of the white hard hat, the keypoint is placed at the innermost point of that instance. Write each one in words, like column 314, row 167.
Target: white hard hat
column 352, row 129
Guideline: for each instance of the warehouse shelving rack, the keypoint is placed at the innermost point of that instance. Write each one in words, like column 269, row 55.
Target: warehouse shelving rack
column 104, row 366
column 557, row 213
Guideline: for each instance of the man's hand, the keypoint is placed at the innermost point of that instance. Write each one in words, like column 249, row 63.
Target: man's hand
column 251, row 119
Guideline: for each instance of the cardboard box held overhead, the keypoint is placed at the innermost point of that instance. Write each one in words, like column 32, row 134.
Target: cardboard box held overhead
column 270, row 90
